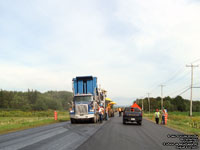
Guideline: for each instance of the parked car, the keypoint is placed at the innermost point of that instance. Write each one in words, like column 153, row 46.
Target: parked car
column 131, row 115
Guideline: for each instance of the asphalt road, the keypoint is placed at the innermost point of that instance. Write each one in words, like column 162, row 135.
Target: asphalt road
column 117, row 136
column 60, row 136
column 111, row 135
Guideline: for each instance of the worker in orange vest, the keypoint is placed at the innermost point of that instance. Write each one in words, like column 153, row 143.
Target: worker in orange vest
column 163, row 116
column 120, row 111
column 166, row 115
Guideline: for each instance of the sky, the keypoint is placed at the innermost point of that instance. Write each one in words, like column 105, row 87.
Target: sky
column 131, row 46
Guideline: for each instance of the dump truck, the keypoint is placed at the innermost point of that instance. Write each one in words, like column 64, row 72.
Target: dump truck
column 87, row 98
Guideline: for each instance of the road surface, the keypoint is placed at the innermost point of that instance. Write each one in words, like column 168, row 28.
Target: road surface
column 59, row 136
column 111, row 135
column 116, row 136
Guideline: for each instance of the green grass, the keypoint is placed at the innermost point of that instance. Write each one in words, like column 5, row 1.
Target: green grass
column 19, row 113
column 19, row 120
column 181, row 121
column 194, row 114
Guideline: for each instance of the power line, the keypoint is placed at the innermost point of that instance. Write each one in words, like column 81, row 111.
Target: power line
column 174, row 75
column 183, row 75
column 195, row 61
column 183, row 92
column 172, row 93
column 179, row 70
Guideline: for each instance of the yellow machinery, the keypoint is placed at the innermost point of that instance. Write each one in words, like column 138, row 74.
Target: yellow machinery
column 109, row 105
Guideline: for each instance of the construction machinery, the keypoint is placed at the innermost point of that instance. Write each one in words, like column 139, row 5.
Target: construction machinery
column 87, row 98
column 109, row 104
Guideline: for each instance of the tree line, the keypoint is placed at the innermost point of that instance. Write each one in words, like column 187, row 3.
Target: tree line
column 171, row 104
column 35, row 100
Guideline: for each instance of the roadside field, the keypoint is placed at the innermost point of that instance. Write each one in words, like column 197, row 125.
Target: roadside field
column 181, row 121
column 18, row 120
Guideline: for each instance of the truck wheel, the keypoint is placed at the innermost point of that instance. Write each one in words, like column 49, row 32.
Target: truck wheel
column 76, row 121
column 93, row 120
column 140, row 123
column 72, row 121
column 124, row 122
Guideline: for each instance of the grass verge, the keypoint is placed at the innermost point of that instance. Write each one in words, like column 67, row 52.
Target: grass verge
column 181, row 121
column 11, row 123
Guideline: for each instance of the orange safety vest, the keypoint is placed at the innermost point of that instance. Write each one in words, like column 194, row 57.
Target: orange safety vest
column 101, row 110
column 106, row 109
column 166, row 115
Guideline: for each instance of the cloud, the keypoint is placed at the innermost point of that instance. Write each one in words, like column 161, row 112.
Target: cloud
column 15, row 77
column 131, row 46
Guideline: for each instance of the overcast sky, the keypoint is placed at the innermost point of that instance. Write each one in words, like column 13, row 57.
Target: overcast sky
column 132, row 46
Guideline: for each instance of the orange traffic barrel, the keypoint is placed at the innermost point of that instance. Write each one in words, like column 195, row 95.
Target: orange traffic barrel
column 55, row 115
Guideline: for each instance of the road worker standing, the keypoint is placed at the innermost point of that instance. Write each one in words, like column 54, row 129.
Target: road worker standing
column 101, row 114
column 157, row 115
column 120, row 111
column 163, row 116
column 106, row 113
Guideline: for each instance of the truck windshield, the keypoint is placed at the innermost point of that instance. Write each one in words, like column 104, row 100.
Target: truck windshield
column 83, row 98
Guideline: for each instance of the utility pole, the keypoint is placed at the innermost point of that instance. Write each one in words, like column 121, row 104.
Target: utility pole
column 149, row 101
column 162, row 96
column 142, row 105
column 192, row 67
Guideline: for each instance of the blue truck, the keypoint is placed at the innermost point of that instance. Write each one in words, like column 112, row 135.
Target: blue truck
column 86, row 100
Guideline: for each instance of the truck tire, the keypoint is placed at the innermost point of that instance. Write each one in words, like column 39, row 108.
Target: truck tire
column 93, row 120
column 139, row 123
column 124, row 122
column 72, row 121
